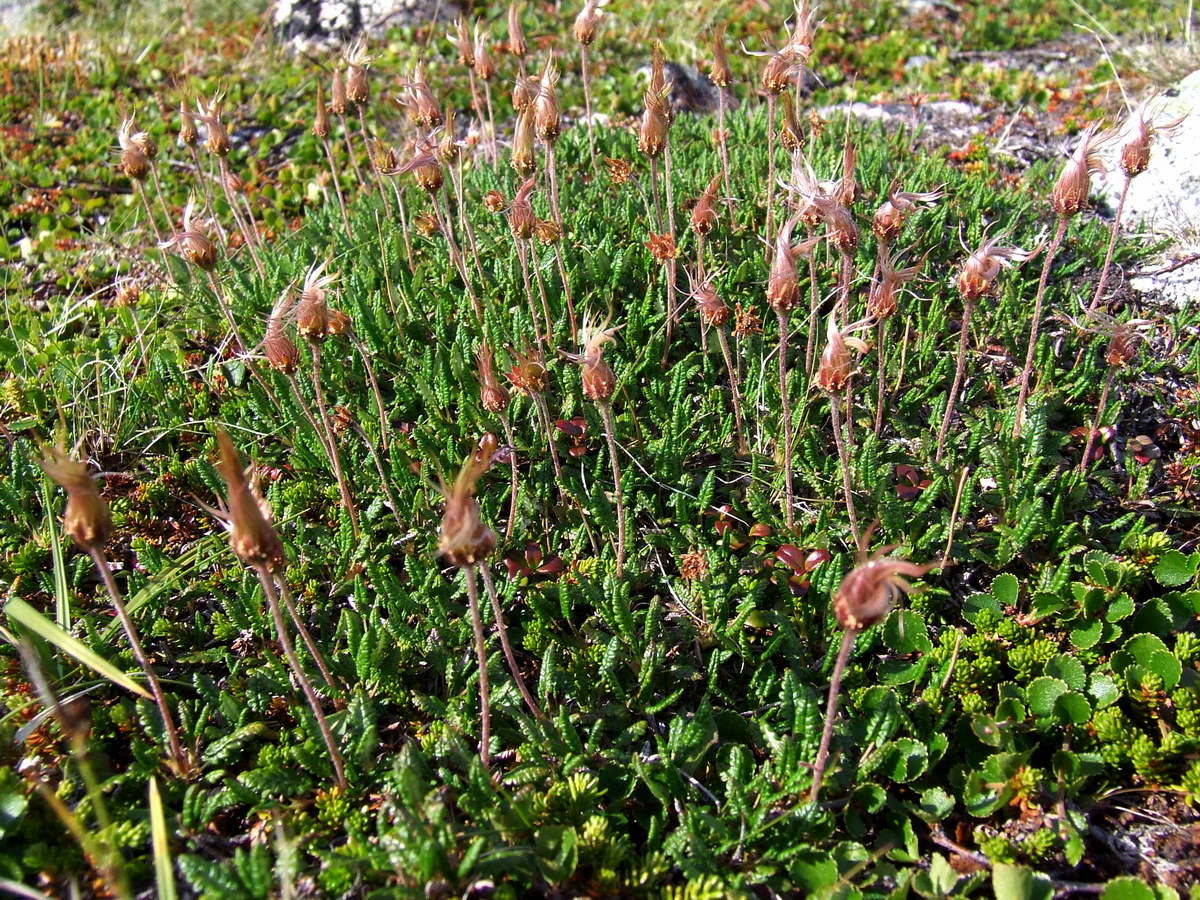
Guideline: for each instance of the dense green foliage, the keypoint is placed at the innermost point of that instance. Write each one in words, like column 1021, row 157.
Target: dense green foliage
column 1044, row 665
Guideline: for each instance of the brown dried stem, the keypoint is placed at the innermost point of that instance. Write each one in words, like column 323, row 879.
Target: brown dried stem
column 1023, row 396
column 490, row 586
column 605, row 407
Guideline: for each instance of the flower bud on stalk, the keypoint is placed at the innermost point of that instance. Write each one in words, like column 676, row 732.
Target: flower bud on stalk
column 547, row 117
column 516, row 34
column 704, row 213
column 524, row 157
column 188, row 134
column 494, row 397
column 321, row 128
column 86, row 518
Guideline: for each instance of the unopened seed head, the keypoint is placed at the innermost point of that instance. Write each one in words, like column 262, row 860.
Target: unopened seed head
column 464, row 539
column 251, row 534
column 321, row 128
column 86, row 518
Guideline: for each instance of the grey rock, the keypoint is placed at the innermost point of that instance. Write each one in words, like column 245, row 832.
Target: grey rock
column 314, row 26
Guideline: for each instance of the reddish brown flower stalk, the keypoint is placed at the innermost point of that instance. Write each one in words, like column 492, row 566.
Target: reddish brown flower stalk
column 976, row 280
column 547, row 125
column 387, row 162
column 1069, row 198
column 134, row 164
column 218, row 144
column 783, row 295
column 485, row 68
column 1124, row 341
column 584, row 31
column 722, row 76
column 339, row 103
column 654, row 141
column 714, row 313
column 86, row 519
column 523, row 223
column 599, row 382
column 495, row 398
column 865, row 596
column 313, row 320
column 834, row 374
column 321, row 131
column 1134, row 158
column 189, row 136
column 881, row 306
column 256, row 543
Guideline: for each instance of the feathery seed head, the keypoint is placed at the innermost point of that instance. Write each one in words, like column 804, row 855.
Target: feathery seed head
column 193, row 242
column 189, row 135
column 720, row 74
column 524, row 92
column 461, row 38
column 704, row 213
column 599, row 382
column 881, row 302
column 1141, row 130
column 547, row 117
column 521, row 218
column 312, row 310
column 1071, row 190
column 791, row 135
column 485, row 63
column 713, row 310
column 216, row 140
column 981, row 268
column 524, row 157
column 870, row 589
column 529, row 372
column 892, row 213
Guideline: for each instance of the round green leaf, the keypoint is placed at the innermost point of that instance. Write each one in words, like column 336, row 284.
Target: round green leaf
column 1087, row 634
column 1103, row 689
column 1042, row 692
column 1127, row 887
column 935, row 805
column 1175, row 568
column 905, row 759
column 1072, row 708
column 904, row 632
column 1005, row 588
column 1069, row 669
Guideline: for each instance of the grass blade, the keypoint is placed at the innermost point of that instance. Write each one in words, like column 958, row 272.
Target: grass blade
column 164, row 875
column 28, row 617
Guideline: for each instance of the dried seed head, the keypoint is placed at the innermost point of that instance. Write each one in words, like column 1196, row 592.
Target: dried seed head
column 599, row 382
column 280, row 350
column 485, row 64
column 547, row 232
column 426, row 170
column 777, row 74
column 418, row 100
column 251, row 534
column 464, row 539
column 1141, row 130
column 890, row 217
column 547, row 117
column 804, row 31
column 216, row 140
column 337, row 98
column 524, row 157
column 234, row 182
column 713, row 310
column 1071, row 190
column 529, row 372
column 312, row 310
column 981, row 268
column 188, row 133
column 494, row 202
column 1125, row 339
column 358, row 88
column 587, row 21
column 193, row 242
column 448, row 149
column 791, row 135
column 339, row 323
column 704, row 213
column 524, row 92
column 521, row 218
column 662, row 247
column 494, row 397
column 321, row 128
column 426, row 225
column 656, row 121
column 135, row 161
column 745, row 322
column 869, row 590
column 783, row 282
column 837, row 364
column 86, row 517
column 720, row 74
column 516, row 35
column 881, row 303
column 619, row 170
column 817, row 205
column 461, row 38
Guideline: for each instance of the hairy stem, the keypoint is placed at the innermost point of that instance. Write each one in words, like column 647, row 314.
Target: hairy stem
column 587, row 103
column 183, row 761
column 610, row 436
column 485, row 707
column 835, row 687
column 785, row 402
column 1112, row 243
column 844, row 457
column 734, row 389
column 286, row 594
column 770, row 175
column 490, row 586
column 337, row 186
column 512, row 459
column 334, row 456
column 964, row 333
column 1037, row 321
column 314, row 702
column 722, row 143
column 1091, row 440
